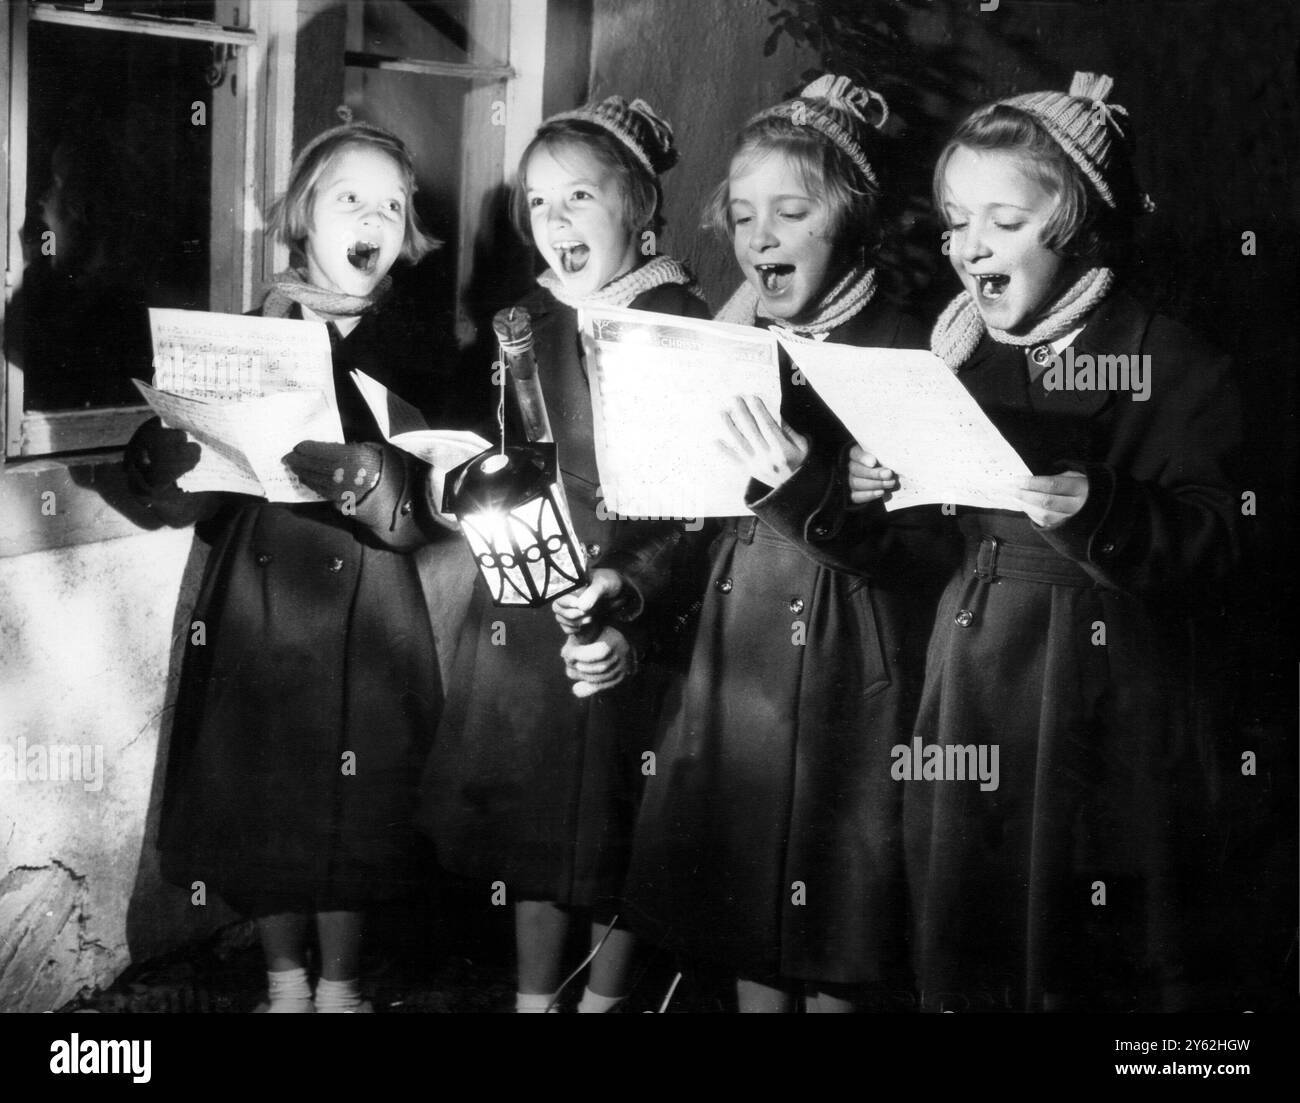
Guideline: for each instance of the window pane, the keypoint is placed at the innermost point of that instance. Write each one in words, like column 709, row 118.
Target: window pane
column 118, row 182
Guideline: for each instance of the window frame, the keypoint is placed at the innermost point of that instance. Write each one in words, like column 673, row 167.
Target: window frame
column 60, row 499
column 61, row 483
column 30, row 433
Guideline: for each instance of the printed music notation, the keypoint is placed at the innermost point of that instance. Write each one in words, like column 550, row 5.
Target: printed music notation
column 247, row 389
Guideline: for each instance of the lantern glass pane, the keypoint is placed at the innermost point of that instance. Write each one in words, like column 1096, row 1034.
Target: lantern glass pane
column 527, row 556
column 560, row 550
column 489, row 540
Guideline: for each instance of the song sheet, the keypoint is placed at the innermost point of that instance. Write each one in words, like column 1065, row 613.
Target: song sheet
column 247, row 389
column 231, row 357
column 912, row 412
column 243, row 442
column 659, row 384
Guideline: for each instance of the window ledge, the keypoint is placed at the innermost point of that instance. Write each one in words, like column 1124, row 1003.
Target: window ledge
column 55, row 502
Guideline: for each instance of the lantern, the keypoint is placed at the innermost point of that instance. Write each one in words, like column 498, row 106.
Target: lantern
column 513, row 514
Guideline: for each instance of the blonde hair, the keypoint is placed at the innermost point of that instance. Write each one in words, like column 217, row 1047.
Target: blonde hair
column 825, row 170
column 289, row 218
column 1081, row 225
column 640, row 191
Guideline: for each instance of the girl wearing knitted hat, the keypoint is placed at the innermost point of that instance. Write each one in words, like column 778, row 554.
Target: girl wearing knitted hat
column 531, row 783
column 1063, row 644
column 768, row 842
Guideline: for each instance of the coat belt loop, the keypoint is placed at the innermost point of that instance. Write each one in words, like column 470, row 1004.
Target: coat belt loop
column 986, row 562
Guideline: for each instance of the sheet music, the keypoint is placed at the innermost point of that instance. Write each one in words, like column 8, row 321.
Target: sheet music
column 247, row 389
column 908, row 407
column 659, row 384
column 234, row 356
column 243, row 442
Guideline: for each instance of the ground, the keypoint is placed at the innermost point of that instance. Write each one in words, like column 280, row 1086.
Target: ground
column 425, row 957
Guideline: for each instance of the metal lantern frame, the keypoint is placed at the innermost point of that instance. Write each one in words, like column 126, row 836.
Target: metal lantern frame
column 514, row 516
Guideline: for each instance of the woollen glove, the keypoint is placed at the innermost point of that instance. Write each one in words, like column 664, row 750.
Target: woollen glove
column 155, row 457
column 340, row 473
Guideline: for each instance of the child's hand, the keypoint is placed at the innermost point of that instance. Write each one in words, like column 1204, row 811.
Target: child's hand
column 771, row 453
column 156, row 457
column 1051, row 500
column 600, row 665
column 576, row 610
column 867, row 480
column 340, row 473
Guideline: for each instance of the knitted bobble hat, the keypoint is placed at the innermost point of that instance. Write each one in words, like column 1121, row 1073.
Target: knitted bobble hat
column 636, row 125
column 840, row 110
column 1092, row 132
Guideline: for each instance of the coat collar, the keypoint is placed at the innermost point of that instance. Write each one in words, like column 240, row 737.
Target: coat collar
column 1118, row 325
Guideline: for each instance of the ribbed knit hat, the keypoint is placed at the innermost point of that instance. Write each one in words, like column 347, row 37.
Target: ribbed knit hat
column 635, row 124
column 840, row 110
column 1092, row 133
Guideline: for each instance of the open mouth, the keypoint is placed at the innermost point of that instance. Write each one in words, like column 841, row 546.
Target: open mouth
column 363, row 256
column 992, row 286
column 573, row 255
column 775, row 277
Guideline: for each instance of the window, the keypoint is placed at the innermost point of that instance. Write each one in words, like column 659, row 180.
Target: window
column 195, row 102
column 123, row 124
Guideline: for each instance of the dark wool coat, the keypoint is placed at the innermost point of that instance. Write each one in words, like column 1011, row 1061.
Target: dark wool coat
column 318, row 646
column 769, row 839
column 1070, row 650
column 529, row 784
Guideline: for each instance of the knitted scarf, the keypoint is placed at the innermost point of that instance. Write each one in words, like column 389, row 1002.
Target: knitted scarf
column 291, row 286
column 620, row 292
column 837, row 306
column 960, row 326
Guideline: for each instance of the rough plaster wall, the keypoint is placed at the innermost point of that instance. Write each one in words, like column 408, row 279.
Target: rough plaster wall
column 701, row 66
column 86, row 645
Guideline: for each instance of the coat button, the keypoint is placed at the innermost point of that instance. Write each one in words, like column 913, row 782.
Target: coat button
column 405, row 509
column 723, row 585
column 964, row 618
column 593, row 550
column 1108, row 548
column 263, row 559
column 821, row 531
column 796, row 605
column 335, row 564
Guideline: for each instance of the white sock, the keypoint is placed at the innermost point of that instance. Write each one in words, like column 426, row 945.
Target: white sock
column 593, row 1003
column 528, row 1003
column 289, row 991
column 338, row 996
